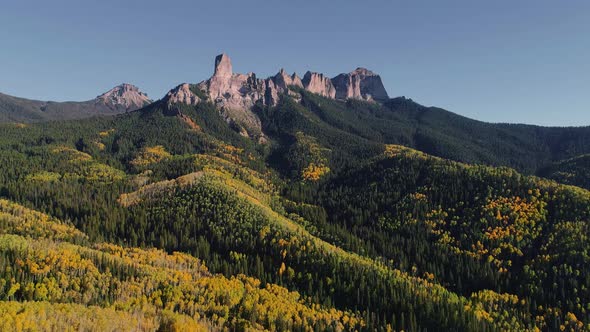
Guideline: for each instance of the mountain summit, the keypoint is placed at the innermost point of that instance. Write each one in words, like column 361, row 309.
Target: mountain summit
column 236, row 94
column 223, row 67
column 231, row 90
column 120, row 99
column 126, row 96
column 360, row 83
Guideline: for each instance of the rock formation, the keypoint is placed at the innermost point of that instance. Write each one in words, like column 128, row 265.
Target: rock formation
column 279, row 84
column 236, row 95
column 320, row 84
column 283, row 80
column 223, row 67
column 360, row 83
column 233, row 91
column 229, row 90
column 125, row 96
column 182, row 94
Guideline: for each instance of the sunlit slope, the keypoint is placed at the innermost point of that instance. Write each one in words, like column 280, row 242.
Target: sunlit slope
column 242, row 220
column 49, row 262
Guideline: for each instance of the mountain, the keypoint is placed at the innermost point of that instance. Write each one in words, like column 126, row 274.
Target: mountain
column 360, row 83
column 120, row 99
column 293, row 204
column 236, row 95
column 354, row 109
column 125, row 97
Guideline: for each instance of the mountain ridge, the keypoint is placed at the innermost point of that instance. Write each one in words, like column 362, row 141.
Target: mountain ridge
column 236, row 95
column 120, row 99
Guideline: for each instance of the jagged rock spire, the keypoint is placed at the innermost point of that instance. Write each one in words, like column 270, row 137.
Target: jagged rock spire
column 236, row 95
column 223, row 67
column 320, row 84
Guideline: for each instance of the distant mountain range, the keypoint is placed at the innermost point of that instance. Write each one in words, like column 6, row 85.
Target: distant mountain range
column 120, row 99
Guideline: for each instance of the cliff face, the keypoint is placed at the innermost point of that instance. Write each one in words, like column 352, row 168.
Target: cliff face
column 235, row 95
column 360, row 83
column 182, row 94
column 231, row 90
column 320, row 84
column 283, row 80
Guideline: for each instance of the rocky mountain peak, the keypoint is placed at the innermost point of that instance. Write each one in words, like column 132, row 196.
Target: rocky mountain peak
column 235, row 95
column 182, row 94
column 360, row 83
column 126, row 96
column 320, row 84
column 363, row 71
column 223, row 67
column 282, row 80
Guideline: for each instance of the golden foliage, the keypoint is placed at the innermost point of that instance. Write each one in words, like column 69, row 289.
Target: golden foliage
column 72, row 154
column 177, row 287
column 150, row 155
column 314, row 172
column 106, row 132
column 16, row 219
column 45, row 316
column 153, row 189
column 43, row 176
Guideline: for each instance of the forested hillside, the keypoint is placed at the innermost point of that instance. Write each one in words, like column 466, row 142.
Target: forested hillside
column 50, row 262
column 170, row 218
column 353, row 128
column 574, row 171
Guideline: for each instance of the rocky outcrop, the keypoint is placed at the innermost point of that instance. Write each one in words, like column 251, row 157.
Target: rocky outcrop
column 236, row 95
column 320, row 84
column 182, row 94
column 279, row 84
column 229, row 90
column 362, row 84
column 283, row 81
column 223, row 66
column 124, row 96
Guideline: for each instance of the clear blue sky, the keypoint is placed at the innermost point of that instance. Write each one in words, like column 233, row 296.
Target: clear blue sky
column 499, row 61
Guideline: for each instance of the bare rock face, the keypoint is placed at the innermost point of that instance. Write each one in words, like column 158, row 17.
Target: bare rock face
column 283, row 80
column 361, row 83
column 229, row 90
column 320, row 84
column 236, row 95
column 223, row 67
column 182, row 94
column 272, row 90
column 124, row 96
column 279, row 84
